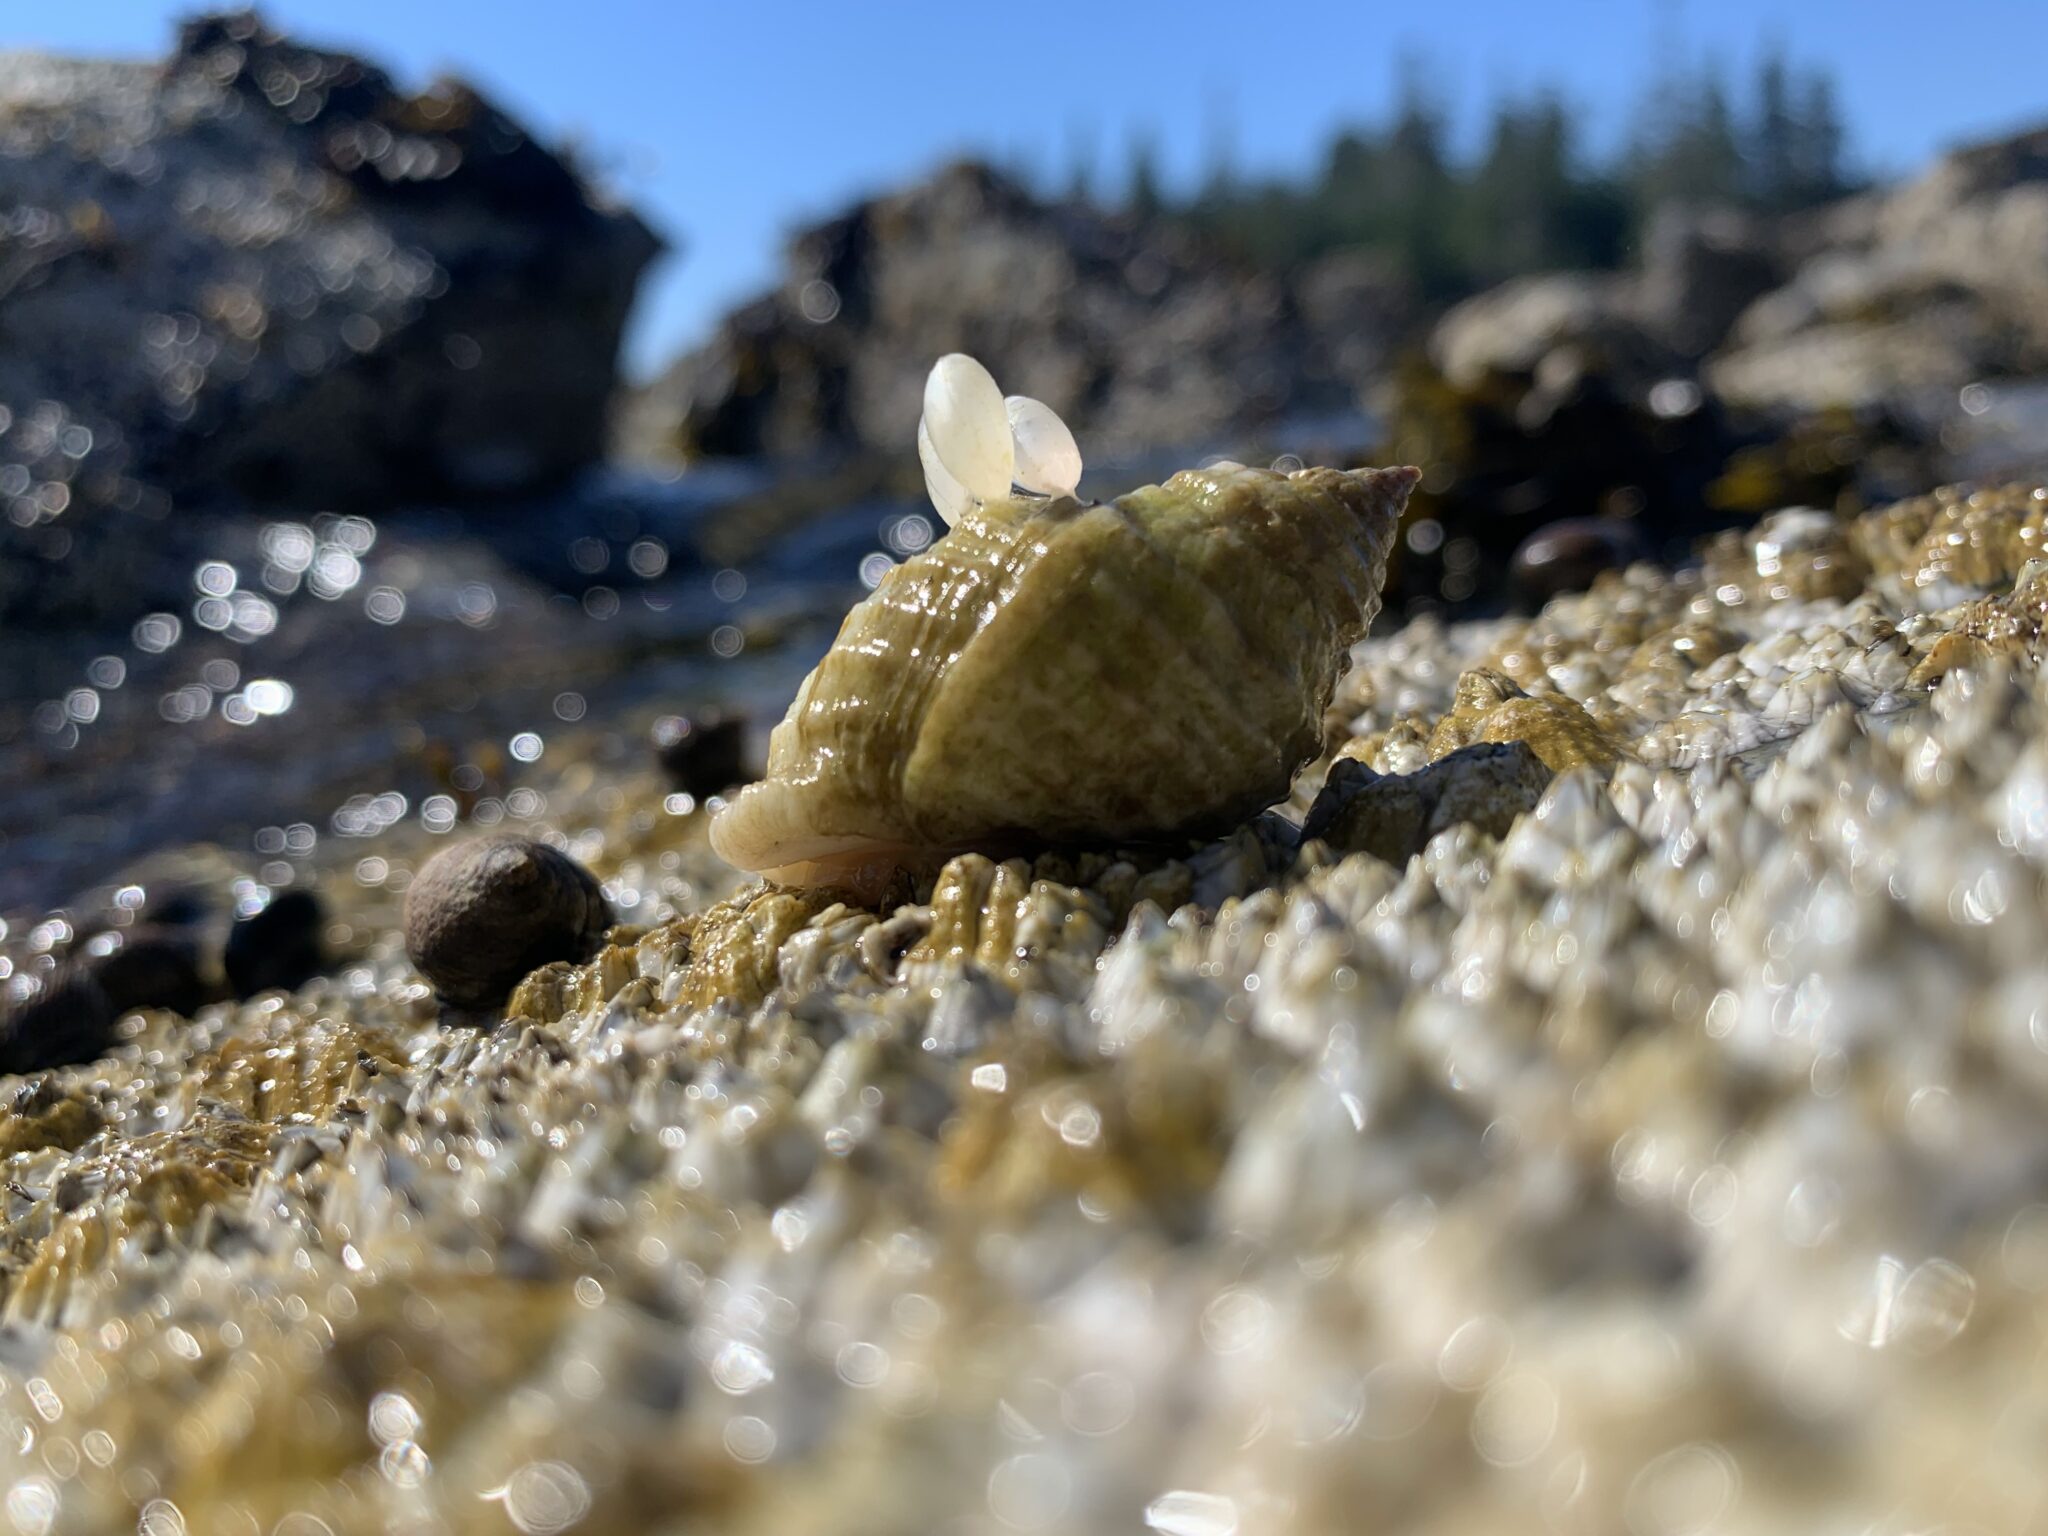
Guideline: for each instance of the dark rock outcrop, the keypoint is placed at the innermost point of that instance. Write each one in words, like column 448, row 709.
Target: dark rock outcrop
column 261, row 271
column 1138, row 335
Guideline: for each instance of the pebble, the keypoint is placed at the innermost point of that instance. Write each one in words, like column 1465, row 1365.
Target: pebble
column 483, row 914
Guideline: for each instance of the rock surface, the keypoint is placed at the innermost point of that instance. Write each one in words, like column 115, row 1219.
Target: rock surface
column 261, row 269
column 72, row 1018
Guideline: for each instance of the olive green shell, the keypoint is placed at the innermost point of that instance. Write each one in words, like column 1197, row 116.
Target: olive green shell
column 1057, row 672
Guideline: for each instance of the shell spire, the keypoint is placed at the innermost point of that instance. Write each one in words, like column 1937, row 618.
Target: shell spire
column 1053, row 672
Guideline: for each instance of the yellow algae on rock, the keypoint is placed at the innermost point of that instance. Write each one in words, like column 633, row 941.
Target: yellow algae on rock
column 1022, row 930
column 974, row 912
column 733, row 946
column 546, row 994
column 2006, row 628
column 1148, row 1136
column 151, row 1189
column 293, row 1068
column 1489, row 706
column 42, row 1115
column 1983, row 539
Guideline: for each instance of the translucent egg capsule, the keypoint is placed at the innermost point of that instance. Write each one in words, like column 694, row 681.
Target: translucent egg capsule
column 1048, row 460
column 967, row 431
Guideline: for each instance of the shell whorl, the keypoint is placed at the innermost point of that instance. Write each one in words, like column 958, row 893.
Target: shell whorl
column 1062, row 672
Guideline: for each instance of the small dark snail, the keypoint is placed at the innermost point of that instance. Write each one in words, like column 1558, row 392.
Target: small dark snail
column 279, row 947
column 703, row 753
column 72, row 1018
column 481, row 915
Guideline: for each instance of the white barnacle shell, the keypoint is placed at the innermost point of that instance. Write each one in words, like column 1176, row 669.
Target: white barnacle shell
column 976, row 445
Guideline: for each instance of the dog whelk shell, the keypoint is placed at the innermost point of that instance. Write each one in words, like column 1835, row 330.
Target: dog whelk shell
column 1058, row 672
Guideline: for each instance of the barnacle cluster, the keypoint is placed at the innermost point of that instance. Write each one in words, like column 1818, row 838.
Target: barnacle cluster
column 1645, row 1134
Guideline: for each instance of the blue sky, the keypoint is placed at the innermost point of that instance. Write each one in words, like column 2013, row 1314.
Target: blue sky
column 730, row 121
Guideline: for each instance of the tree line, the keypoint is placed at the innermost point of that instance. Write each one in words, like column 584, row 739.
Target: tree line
column 1532, row 198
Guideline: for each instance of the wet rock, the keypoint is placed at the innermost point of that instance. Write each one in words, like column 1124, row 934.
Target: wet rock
column 1861, row 331
column 262, row 268
column 70, row 1020
column 703, row 753
column 1944, row 283
column 1566, row 555
column 1518, row 328
column 1548, row 398
column 1393, row 816
column 1702, row 266
column 481, row 915
column 38, row 1114
column 1797, row 553
column 278, row 948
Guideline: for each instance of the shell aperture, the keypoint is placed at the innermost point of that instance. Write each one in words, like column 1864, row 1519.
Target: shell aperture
column 1053, row 672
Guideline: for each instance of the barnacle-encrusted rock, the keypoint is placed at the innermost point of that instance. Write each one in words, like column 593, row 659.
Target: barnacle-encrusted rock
column 1583, row 1156
column 37, row 1114
column 1799, row 553
column 292, row 1069
column 142, row 1191
column 1057, row 672
column 1393, row 816
column 482, row 914
column 1001, row 920
column 2004, row 628
column 732, row 947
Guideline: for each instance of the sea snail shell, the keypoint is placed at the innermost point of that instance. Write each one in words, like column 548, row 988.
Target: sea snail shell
column 1057, row 672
